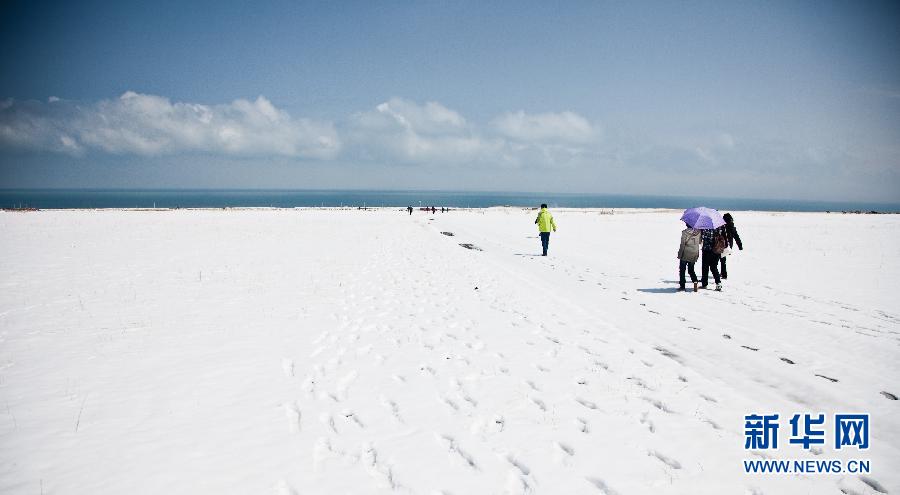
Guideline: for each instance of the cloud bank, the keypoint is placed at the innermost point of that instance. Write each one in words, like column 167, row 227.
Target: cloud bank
column 397, row 131
column 152, row 125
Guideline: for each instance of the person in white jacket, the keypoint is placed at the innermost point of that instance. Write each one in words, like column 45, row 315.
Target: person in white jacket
column 688, row 252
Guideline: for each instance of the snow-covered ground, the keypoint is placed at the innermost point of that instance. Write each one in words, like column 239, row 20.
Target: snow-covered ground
column 321, row 351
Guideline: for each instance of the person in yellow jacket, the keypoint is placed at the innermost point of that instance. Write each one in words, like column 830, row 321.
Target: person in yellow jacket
column 545, row 224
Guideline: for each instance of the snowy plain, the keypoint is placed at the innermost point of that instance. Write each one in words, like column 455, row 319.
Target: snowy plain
column 316, row 351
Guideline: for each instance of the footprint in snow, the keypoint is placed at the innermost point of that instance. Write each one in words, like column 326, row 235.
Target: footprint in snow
column 582, row 425
column 352, row 418
column 344, row 383
column 282, row 488
column 562, row 452
column 602, row 486
column 601, row 365
column 292, row 413
column 516, row 484
column 786, row 360
column 328, row 421
column 639, row 382
column 518, row 464
column 369, row 458
column 889, row 395
column 449, row 403
column 712, row 423
column 287, row 366
column 672, row 463
column 393, row 408
column 875, row 485
column 455, row 452
column 646, row 421
column 658, row 404
column 469, row 400
column 669, row 354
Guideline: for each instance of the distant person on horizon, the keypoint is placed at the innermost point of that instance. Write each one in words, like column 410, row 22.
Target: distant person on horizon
column 688, row 252
column 713, row 244
column 731, row 235
column 433, row 210
column 545, row 224
column 409, row 208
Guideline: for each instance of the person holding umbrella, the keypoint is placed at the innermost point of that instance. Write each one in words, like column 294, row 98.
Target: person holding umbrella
column 713, row 241
column 712, row 237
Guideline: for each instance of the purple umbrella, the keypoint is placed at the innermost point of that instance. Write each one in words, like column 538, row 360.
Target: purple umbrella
column 703, row 218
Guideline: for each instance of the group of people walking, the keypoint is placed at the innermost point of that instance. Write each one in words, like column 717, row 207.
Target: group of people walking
column 432, row 209
column 712, row 245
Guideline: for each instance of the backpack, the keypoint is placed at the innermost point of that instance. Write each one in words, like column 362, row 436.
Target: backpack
column 720, row 244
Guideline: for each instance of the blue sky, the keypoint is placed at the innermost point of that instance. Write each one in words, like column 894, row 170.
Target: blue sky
column 756, row 99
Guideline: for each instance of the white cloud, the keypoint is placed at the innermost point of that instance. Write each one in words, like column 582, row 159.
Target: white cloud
column 430, row 118
column 144, row 124
column 404, row 131
column 566, row 127
column 407, row 132
column 397, row 131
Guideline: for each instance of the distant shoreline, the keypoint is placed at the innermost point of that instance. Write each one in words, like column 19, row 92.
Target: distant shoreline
column 46, row 199
column 602, row 211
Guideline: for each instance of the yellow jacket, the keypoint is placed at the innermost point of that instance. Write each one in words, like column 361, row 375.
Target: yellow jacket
column 545, row 221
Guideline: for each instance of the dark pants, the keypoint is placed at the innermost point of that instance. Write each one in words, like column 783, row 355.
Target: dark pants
column 724, row 271
column 710, row 262
column 689, row 265
column 545, row 241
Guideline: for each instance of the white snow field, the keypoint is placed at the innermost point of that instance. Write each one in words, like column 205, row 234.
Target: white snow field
column 315, row 351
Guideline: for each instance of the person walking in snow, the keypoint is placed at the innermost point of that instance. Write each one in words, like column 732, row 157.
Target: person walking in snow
column 688, row 252
column 714, row 243
column 545, row 224
column 409, row 208
column 731, row 235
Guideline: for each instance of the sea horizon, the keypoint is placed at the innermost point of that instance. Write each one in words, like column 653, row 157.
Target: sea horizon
column 92, row 198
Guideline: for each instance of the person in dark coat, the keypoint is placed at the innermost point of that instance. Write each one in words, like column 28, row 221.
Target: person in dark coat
column 409, row 208
column 710, row 256
column 731, row 235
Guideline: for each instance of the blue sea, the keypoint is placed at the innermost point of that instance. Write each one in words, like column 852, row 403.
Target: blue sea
column 185, row 198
